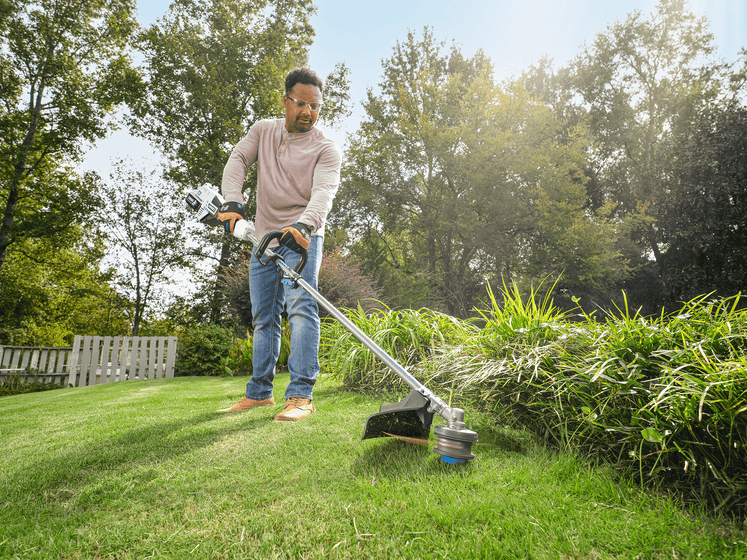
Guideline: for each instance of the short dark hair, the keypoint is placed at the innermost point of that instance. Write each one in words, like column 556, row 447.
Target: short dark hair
column 303, row 75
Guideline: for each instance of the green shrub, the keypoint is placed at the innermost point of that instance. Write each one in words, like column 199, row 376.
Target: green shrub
column 201, row 350
column 239, row 359
column 660, row 399
column 407, row 335
column 14, row 385
column 285, row 344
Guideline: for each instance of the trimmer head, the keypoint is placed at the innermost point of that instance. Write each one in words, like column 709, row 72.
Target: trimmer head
column 410, row 418
column 455, row 444
column 407, row 418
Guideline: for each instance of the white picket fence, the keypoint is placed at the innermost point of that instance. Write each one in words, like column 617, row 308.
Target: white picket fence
column 92, row 360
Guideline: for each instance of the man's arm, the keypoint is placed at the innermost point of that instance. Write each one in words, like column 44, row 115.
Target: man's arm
column 324, row 187
column 243, row 155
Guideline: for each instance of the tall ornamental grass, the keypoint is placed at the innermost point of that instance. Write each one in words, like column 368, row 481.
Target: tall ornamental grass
column 662, row 399
column 409, row 336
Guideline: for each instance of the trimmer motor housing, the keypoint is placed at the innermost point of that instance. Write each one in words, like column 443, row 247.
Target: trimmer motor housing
column 206, row 202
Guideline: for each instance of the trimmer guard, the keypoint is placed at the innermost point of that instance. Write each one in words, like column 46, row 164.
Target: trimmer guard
column 407, row 418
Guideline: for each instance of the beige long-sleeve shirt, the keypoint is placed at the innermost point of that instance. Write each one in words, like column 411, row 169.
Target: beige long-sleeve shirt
column 297, row 175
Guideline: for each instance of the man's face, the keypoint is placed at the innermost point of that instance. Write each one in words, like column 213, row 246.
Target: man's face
column 301, row 119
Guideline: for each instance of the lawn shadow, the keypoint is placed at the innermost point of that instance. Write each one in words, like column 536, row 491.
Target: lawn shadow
column 399, row 460
column 392, row 458
column 75, row 466
column 492, row 434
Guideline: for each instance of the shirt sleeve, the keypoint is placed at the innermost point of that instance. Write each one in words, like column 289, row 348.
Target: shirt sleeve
column 324, row 187
column 243, row 155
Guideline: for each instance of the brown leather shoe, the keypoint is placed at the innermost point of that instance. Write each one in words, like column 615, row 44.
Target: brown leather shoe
column 247, row 403
column 296, row 408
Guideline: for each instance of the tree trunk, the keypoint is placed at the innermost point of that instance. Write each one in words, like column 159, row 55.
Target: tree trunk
column 5, row 239
column 19, row 167
column 215, row 301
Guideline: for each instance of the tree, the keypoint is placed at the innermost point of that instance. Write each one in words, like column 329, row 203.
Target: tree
column 214, row 68
column 403, row 186
column 455, row 176
column 50, row 292
column 635, row 79
column 704, row 221
column 63, row 69
column 144, row 224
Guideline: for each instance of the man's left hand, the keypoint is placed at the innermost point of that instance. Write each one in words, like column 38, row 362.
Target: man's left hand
column 296, row 237
column 229, row 214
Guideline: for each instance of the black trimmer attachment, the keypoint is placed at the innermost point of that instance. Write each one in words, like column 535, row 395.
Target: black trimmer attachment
column 407, row 418
column 410, row 417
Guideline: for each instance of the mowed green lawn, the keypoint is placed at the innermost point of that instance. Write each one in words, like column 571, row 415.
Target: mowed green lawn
column 148, row 469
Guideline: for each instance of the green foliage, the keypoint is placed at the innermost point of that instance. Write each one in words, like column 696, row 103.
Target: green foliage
column 239, row 359
column 460, row 179
column 147, row 242
column 511, row 313
column 389, row 258
column 409, row 336
column 15, row 385
column 640, row 80
column 705, row 217
column 48, row 294
column 202, row 349
column 661, row 399
column 64, row 71
column 285, row 344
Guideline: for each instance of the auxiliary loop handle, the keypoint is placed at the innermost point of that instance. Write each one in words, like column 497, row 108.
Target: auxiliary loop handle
column 262, row 249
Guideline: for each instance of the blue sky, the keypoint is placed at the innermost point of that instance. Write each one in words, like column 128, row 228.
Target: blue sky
column 514, row 34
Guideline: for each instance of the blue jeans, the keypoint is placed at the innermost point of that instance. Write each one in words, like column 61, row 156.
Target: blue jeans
column 269, row 296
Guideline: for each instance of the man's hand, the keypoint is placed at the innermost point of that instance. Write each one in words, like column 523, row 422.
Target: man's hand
column 229, row 214
column 296, row 237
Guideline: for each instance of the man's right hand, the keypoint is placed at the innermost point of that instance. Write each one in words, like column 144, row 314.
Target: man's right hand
column 229, row 214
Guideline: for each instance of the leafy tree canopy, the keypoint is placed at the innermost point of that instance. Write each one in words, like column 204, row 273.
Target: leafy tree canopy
column 143, row 221
column 51, row 292
column 635, row 79
column 63, row 69
column 705, row 219
column 467, row 181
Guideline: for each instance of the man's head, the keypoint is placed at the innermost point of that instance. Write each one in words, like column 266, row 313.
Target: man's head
column 302, row 99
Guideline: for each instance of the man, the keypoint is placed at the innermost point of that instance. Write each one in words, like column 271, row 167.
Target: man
column 298, row 172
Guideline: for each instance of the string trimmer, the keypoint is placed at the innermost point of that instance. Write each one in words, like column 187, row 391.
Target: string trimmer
column 409, row 418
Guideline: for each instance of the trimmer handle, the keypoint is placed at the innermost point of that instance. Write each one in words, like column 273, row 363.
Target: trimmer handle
column 264, row 243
